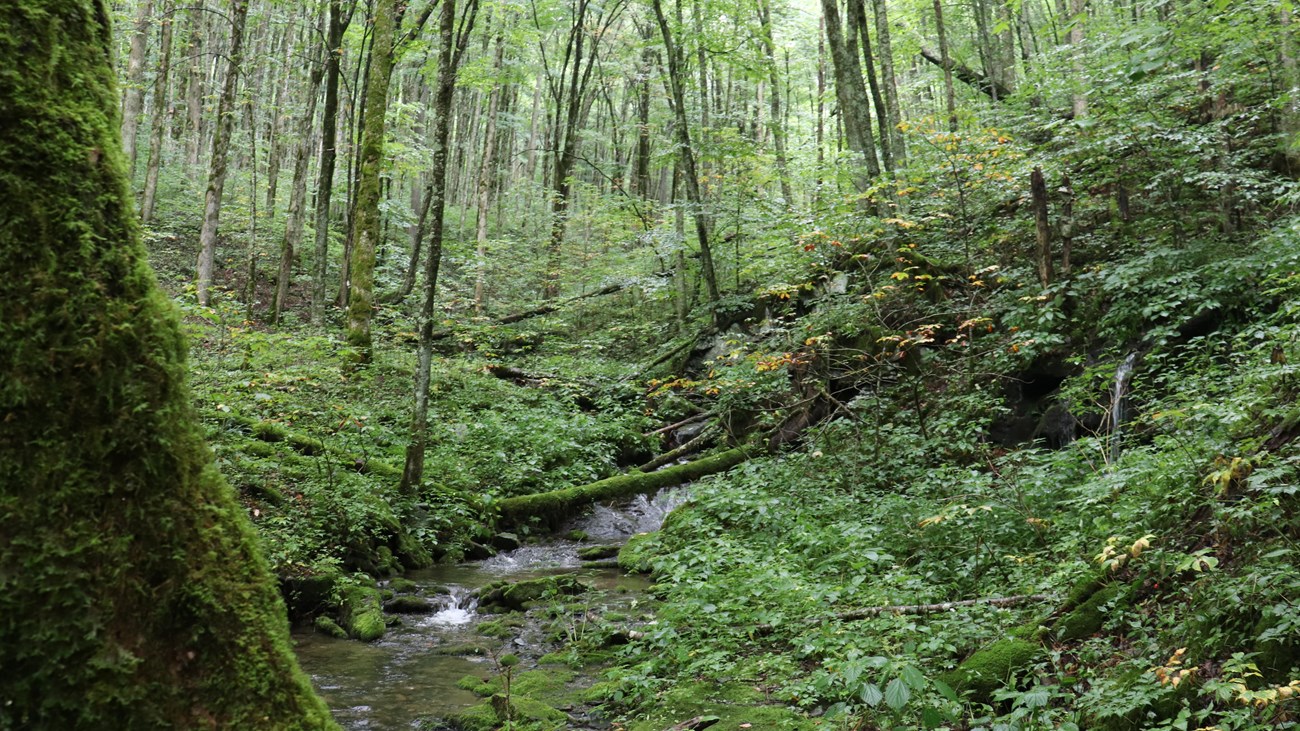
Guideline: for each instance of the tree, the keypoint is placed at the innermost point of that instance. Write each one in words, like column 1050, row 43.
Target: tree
column 366, row 228
column 220, row 151
column 132, row 593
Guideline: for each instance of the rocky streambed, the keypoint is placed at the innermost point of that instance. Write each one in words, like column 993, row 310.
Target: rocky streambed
column 456, row 631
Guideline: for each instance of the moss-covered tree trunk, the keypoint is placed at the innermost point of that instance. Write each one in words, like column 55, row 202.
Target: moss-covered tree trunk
column 366, row 231
column 132, row 595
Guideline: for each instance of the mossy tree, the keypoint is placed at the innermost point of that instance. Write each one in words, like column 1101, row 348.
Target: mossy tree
column 132, row 594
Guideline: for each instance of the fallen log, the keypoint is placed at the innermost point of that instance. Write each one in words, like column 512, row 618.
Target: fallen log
column 995, row 90
column 695, row 445
column 678, row 425
column 552, row 508
column 695, row 724
column 536, row 311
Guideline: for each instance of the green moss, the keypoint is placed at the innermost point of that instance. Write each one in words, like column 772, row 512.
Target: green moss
column 991, row 667
column 1088, row 617
column 327, row 626
column 515, row 596
column 408, row 605
column 476, row 685
column 361, row 614
column 595, row 553
column 132, row 589
column 733, row 704
column 551, row 508
column 636, row 555
column 404, row 586
column 499, row 628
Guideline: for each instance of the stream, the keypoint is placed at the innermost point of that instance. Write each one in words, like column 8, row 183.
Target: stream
column 411, row 672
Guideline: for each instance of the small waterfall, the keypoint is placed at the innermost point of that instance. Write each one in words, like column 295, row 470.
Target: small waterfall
column 456, row 607
column 1118, row 401
column 642, row 514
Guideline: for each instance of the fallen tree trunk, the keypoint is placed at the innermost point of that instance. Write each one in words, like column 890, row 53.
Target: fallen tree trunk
column 552, row 508
column 677, row 425
column 536, row 311
column 698, row 443
column 967, row 75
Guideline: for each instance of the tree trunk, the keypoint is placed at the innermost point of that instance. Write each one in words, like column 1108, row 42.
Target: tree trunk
column 1290, row 77
column 855, row 110
column 338, row 24
column 857, row 17
column 133, row 101
column 450, row 50
column 487, row 171
column 295, row 216
column 1078, row 12
column 884, row 49
column 1067, row 224
column 776, row 120
column 132, row 588
column 194, row 82
column 687, row 156
column 949, row 94
column 158, row 125
column 1043, row 244
column 366, row 220
column 220, row 152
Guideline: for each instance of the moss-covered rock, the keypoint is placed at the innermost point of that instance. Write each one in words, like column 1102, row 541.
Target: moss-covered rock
column 733, row 704
column 1087, row 617
column 404, row 586
column 361, row 613
column 407, row 604
column 596, row 553
column 309, row 595
column 513, row 596
column 636, row 555
column 990, row 667
column 410, row 552
column 325, row 625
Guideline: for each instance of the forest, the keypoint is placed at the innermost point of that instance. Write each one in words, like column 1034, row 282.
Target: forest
column 650, row 365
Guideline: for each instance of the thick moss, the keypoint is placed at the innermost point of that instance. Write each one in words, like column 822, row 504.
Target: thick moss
column 635, row 556
column 362, row 616
column 408, row 605
column 596, row 553
column 132, row 591
column 733, row 704
column 551, row 508
column 327, row 626
column 515, row 596
column 1087, row 617
column 989, row 668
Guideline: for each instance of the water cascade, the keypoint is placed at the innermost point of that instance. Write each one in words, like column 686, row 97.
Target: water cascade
column 1118, row 401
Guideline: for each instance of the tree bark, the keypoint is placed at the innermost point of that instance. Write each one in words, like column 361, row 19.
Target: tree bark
column 686, row 153
column 889, row 81
column 220, row 152
column 158, row 124
column 553, row 507
column 487, row 171
column 857, row 17
column 945, row 62
column 366, row 220
column 855, row 110
column 338, row 24
column 775, row 120
column 295, row 216
column 1043, row 243
column 194, row 83
column 133, row 101
column 967, row 75
column 451, row 49
column 132, row 588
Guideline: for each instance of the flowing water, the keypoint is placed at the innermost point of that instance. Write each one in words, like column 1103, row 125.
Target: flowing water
column 411, row 672
column 1118, row 403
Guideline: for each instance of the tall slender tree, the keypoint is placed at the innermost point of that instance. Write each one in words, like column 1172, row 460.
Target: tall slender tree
column 218, row 164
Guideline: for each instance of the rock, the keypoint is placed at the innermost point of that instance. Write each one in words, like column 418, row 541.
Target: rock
column 404, row 586
column 595, row 553
column 513, row 596
column 505, row 541
column 327, row 626
column 362, row 615
column 305, row 596
column 634, row 558
column 407, row 604
column 477, row 552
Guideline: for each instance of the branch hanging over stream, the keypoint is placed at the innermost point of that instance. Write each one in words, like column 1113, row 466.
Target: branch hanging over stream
column 552, row 508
